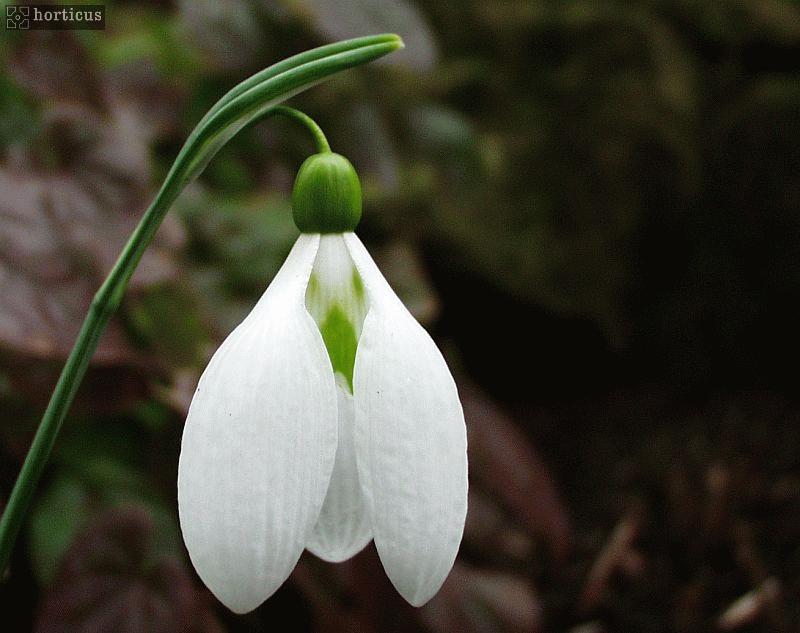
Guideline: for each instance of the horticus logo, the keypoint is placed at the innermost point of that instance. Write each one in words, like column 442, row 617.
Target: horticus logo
column 23, row 17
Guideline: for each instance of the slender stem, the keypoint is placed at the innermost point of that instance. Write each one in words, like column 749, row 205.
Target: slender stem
column 252, row 100
column 316, row 131
column 103, row 306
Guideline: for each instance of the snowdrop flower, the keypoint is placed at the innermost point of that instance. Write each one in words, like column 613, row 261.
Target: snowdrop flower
column 328, row 418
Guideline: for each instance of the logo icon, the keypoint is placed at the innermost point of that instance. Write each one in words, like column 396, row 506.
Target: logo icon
column 18, row 17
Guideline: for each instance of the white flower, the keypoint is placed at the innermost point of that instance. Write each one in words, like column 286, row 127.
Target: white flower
column 326, row 419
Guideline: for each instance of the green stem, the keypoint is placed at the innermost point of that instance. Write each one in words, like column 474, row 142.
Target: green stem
column 303, row 119
column 250, row 101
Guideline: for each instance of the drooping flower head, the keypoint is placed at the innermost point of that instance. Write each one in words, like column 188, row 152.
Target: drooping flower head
column 327, row 418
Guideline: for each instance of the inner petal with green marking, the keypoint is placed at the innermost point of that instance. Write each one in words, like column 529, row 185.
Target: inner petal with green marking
column 336, row 300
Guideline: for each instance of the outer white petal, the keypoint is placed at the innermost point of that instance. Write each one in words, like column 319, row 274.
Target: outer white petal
column 259, row 444
column 344, row 528
column 411, row 443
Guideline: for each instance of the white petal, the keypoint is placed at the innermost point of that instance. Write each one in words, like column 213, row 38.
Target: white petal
column 343, row 528
column 411, row 443
column 259, row 444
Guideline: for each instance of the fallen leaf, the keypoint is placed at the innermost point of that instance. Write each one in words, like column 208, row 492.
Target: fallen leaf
column 115, row 579
column 504, row 463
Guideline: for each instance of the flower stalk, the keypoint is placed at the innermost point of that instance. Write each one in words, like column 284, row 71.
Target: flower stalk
column 306, row 121
column 250, row 101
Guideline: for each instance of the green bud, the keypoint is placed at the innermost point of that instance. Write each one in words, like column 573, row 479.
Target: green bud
column 327, row 195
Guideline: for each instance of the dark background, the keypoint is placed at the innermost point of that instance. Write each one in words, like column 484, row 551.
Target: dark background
column 593, row 206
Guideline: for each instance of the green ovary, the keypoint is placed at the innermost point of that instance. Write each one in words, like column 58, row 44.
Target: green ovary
column 341, row 341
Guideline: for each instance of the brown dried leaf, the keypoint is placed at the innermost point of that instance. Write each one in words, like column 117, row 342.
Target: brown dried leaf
column 618, row 555
column 751, row 606
column 48, row 62
column 505, row 464
column 488, row 531
column 477, row 600
column 56, row 244
column 114, row 579
column 354, row 596
column 69, row 204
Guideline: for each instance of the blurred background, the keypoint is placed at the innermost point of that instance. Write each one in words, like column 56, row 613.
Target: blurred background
column 592, row 206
